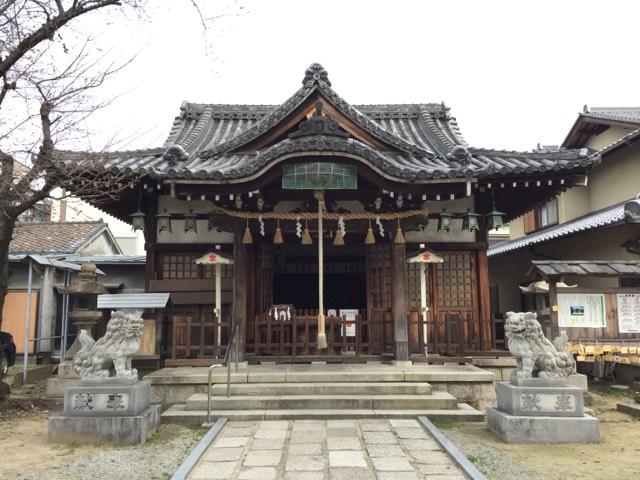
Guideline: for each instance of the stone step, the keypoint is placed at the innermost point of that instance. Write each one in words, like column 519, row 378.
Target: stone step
column 437, row 400
column 178, row 414
column 356, row 388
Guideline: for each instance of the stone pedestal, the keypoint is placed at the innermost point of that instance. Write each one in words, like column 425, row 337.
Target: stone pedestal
column 106, row 410
column 539, row 410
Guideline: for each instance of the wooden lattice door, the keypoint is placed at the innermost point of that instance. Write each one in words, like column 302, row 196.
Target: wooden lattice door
column 377, row 334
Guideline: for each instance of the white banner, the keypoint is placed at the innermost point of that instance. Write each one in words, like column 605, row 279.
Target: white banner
column 581, row 310
column 349, row 315
column 629, row 312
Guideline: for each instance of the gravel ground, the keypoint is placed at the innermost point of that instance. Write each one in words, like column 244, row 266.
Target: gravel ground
column 158, row 458
column 495, row 464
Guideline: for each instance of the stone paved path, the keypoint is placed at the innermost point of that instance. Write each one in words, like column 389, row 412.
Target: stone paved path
column 326, row 450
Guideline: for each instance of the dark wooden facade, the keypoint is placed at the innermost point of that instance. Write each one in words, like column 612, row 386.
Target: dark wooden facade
column 223, row 161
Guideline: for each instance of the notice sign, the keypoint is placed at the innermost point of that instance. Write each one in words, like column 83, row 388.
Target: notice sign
column 349, row 316
column 581, row 310
column 629, row 312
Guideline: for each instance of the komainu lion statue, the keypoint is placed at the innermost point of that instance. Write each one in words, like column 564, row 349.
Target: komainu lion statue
column 536, row 355
column 110, row 355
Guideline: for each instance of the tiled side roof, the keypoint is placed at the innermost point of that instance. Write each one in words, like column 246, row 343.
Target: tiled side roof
column 599, row 268
column 591, row 221
column 622, row 114
column 423, row 142
column 49, row 238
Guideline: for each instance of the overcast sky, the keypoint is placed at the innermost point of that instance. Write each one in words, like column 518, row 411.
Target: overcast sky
column 514, row 73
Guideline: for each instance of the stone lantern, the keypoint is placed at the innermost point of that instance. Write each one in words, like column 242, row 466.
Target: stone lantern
column 84, row 312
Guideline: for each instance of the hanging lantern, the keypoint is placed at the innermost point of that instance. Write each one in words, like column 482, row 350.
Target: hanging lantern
column 369, row 239
column 277, row 237
column 190, row 224
column 164, row 222
column 495, row 219
column 470, row 221
column 399, row 238
column 306, row 235
column 444, row 221
column 247, row 239
column 338, row 239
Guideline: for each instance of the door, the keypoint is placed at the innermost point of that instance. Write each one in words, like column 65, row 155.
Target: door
column 377, row 331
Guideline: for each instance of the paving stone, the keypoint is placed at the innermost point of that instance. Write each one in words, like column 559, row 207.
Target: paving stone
column 432, row 457
column 274, row 424
column 213, row 470
column 241, row 423
column 347, row 458
column 230, row 442
column 262, row 458
column 447, row 477
column 271, row 434
column 236, row 432
column 392, row 464
column 346, row 473
column 258, row 473
column 343, row 432
column 379, row 426
column 301, row 463
column 267, row 444
column 342, row 423
column 404, row 423
column 309, row 427
column 346, row 443
column 436, row 469
column 382, row 450
column 396, row 476
column 215, row 454
column 305, row 476
column 410, row 433
column 420, row 444
column 305, row 449
column 307, row 437
column 379, row 437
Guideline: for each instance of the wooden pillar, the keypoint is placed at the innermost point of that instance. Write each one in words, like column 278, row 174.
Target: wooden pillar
column 399, row 301
column 485, row 340
column 553, row 306
column 240, row 277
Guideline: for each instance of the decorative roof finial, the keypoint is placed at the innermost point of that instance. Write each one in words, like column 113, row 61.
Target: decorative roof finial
column 315, row 74
column 585, row 109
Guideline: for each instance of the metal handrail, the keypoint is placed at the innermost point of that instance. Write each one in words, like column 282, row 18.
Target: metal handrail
column 226, row 362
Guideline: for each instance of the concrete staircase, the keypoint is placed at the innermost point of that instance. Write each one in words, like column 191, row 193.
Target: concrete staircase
column 370, row 394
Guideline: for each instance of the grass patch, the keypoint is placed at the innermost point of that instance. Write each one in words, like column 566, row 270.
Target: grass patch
column 606, row 390
column 477, row 459
column 152, row 439
column 444, row 425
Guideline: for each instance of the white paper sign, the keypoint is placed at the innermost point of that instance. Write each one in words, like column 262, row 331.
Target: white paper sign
column 629, row 312
column 581, row 310
column 349, row 316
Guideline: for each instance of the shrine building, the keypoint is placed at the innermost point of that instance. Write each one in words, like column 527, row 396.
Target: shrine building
column 325, row 229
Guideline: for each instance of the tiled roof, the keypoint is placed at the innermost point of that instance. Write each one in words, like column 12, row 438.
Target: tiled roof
column 601, row 218
column 65, row 237
column 422, row 141
column 621, row 114
column 579, row 268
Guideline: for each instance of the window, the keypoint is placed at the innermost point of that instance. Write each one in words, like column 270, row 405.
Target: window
column 541, row 217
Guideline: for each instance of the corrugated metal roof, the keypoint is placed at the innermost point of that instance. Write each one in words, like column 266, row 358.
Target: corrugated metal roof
column 583, row 268
column 421, row 142
column 49, row 261
column 591, row 221
column 108, row 259
column 133, row 300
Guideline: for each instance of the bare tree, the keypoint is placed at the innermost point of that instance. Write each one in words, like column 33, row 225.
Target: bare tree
column 46, row 75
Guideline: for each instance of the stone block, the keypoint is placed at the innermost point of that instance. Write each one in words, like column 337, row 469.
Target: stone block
column 630, row 408
column 548, row 401
column 528, row 429
column 347, row 458
column 56, row 386
column 120, row 429
column 107, row 398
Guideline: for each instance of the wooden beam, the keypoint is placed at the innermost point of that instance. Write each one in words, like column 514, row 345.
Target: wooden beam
column 553, row 305
column 399, row 301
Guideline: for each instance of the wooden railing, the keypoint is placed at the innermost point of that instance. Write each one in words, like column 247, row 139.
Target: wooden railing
column 456, row 334
column 198, row 336
column 373, row 334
